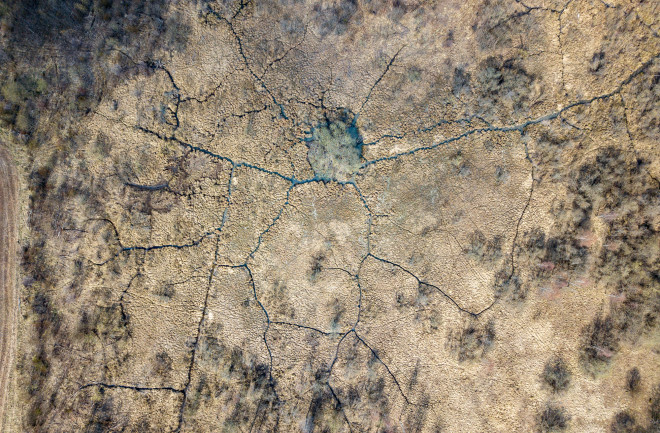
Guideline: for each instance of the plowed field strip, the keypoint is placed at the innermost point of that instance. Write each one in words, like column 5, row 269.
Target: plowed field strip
column 8, row 295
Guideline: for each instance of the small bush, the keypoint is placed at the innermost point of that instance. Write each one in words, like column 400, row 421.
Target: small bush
column 556, row 374
column 334, row 18
column 505, row 283
column 163, row 363
column 624, row 422
column 597, row 62
column 654, row 410
column 461, row 82
column 633, row 379
column 105, row 322
column 317, row 265
column 176, row 33
column 167, row 291
column 601, row 341
column 553, row 418
column 483, row 249
column 40, row 364
column 504, row 80
column 473, row 341
column 102, row 417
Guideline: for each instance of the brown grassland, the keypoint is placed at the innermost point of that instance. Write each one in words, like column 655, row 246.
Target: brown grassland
column 330, row 216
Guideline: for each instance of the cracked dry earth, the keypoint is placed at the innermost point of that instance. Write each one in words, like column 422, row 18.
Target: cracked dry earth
column 354, row 217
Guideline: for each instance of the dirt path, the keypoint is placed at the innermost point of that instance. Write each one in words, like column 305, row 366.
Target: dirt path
column 8, row 295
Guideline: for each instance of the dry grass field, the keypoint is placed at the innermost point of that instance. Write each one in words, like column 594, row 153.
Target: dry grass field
column 331, row 216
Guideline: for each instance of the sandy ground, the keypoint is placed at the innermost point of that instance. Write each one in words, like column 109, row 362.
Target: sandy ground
column 8, row 298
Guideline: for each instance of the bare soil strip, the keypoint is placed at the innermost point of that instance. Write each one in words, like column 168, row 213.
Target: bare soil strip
column 8, row 295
